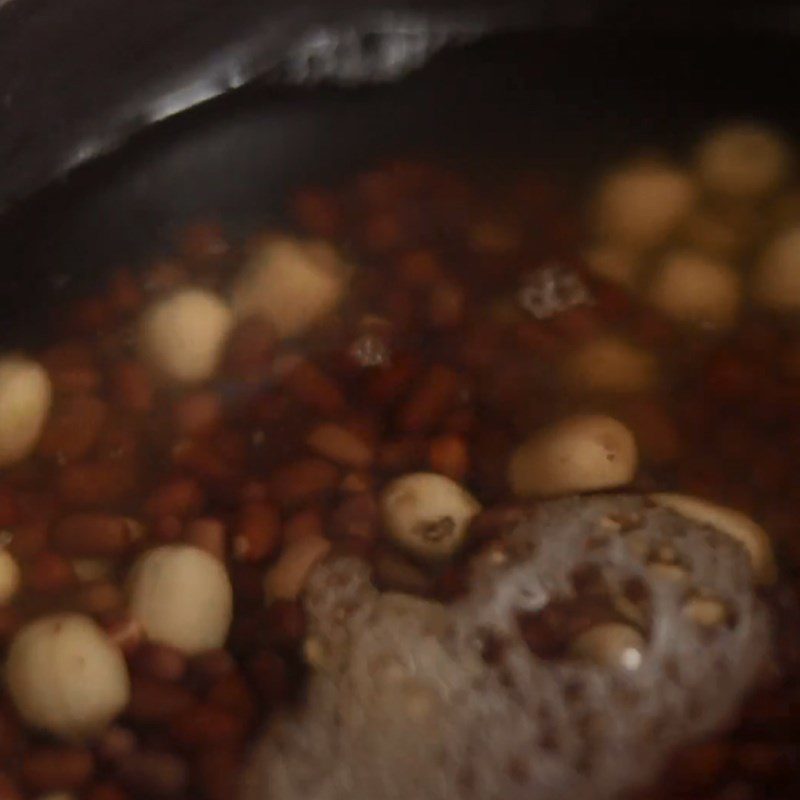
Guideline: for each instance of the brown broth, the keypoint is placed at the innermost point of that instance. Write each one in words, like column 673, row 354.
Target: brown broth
column 434, row 361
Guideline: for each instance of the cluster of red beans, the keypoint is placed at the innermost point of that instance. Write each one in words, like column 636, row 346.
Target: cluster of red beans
column 433, row 367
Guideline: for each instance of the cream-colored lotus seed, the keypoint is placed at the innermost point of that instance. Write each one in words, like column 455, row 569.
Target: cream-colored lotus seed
column 182, row 335
column 776, row 283
column 705, row 611
column 610, row 365
column 25, row 398
column 66, row 677
column 639, row 206
column 744, row 161
column 726, row 520
column 578, row 454
column 290, row 283
column 428, row 514
column 615, row 264
column 610, row 645
column 697, row 290
column 10, row 577
column 182, row 596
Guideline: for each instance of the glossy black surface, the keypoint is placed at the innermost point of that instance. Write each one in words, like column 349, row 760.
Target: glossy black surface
column 567, row 102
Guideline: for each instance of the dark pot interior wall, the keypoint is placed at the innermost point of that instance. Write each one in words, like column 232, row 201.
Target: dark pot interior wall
column 568, row 101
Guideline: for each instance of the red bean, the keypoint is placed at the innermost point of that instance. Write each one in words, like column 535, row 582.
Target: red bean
column 124, row 292
column 303, row 481
column 159, row 662
column 11, row 736
column 72, row 368
column 728, row 377
column 96, row 483
column 120, row 440
column 10, row 622
column 213, row 665
column 654, row 331
column 248, row 578
column 394, row 573
column 402, row 455
column 178, row 497
column 47, row 769
column 157, row 701
column 254, row 491
column 357, row 482
column 446, row 305
column 656, row 432
column 257, row 533
column 538, row 338
column 285, row 623
column 105, row 791
column 287, row 577
column 378, row 187
column 270, row 675
column 116, row 742
column 9, row 507
column 100, row 599
column 449, row 455
column 8, row 789
column 246, row 632
column 153, row 773
column 308, row 522
column 164, row 276
column 232, row 693
column 132, row 387
column 481, row 344
column 318, row 212
column 382, row 232
column 202, row 459
column 73, row 427
column 198, row 413
column 388, row 384
column 166, row 529
column 208, row 534
column 94, row 534
column 217, row 770
column 357, row 516
column 203, row 241
column 309, row 384
column 418, row 268
column 430, row 400
column 202, row 725
column 340, row 445
column 577, row 324
column 701, row 765
column 759, row 760
column 615, row 303
column 250, row 350
column 49, row 573
column 90, row 315
column 28, row 539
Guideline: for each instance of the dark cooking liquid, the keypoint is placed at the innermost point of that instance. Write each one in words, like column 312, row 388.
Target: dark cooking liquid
column 441, row 358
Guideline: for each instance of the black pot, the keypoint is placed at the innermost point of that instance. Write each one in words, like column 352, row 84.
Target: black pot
column 565, row 84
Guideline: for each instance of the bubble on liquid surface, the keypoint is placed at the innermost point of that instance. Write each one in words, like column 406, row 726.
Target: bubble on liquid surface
column 551, row 290
column 418, row 699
